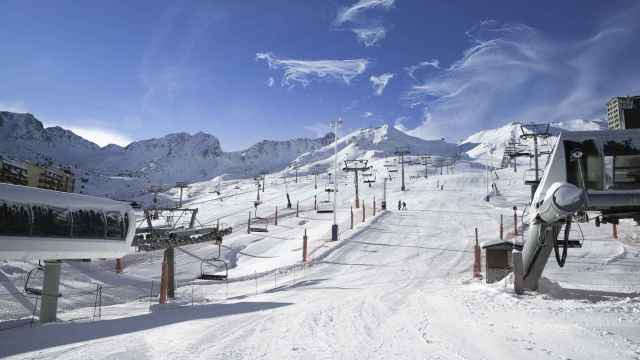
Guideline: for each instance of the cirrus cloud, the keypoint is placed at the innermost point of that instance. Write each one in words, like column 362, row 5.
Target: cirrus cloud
column 369, row 31
column 370, row 36
column 380, row 82
column 304, row 72
column 413, row 68
column 354, row 11
column 516, row 72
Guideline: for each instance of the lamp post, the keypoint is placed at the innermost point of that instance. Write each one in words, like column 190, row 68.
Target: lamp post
column 334, row 227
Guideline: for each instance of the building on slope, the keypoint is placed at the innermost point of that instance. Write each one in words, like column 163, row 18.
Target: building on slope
column 623, row 112
column 28, row 174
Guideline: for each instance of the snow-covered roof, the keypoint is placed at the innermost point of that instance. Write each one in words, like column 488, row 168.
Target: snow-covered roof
column 499, row 244
column 25, row 194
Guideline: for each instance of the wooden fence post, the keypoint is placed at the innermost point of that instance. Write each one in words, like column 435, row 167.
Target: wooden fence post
column 352, row 217
column 304, row 246
column 364, row 210
column 477, row 272
column 163, row 282
column 515, row 220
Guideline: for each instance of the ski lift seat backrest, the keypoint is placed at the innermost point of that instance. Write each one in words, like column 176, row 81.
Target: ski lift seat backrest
column 37, row 273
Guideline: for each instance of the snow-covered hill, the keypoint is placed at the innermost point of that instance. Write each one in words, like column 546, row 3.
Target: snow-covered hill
column 375, row 143
column 489, row 145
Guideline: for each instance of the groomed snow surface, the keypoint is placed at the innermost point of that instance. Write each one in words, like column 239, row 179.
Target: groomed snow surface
column 398, row 286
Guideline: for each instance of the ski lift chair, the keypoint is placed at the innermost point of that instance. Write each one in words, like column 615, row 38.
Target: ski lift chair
column 259, row 225
column 205, row 267
column 214, row 262
column 36, row 272
column 529, row 176
column 329, row 188
column 325, row 207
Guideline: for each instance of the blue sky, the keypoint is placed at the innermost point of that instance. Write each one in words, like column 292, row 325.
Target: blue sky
column 116, row 71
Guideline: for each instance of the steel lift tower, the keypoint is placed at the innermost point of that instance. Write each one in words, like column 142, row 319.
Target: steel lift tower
column 181, row 185
column 402, row 152
column 426, row 161
column 356, row 166
column 535, row 132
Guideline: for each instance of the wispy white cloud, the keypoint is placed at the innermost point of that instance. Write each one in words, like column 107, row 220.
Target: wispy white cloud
column 352, row 12
column 413, row 68
column 369, row 36
column 516, row 72
column 380, row 82
column 369, row 30
column 367, row 114
column 13, row 106
column 270, row 81
column 305, row 71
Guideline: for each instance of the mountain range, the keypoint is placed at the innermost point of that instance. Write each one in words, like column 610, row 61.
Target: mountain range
column 124, row 172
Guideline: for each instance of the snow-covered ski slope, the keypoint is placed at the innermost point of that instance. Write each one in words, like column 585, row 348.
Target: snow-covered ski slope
column 398, row 286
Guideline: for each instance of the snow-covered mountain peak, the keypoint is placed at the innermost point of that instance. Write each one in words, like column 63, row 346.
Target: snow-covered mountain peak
column 176, row 145
column 24, row 137
column 385, row 140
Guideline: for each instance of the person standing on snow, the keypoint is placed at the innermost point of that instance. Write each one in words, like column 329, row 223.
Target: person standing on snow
column 399, row 205
column 404, row 206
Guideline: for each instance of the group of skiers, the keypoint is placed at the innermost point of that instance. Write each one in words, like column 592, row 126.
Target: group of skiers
column 402, row 206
